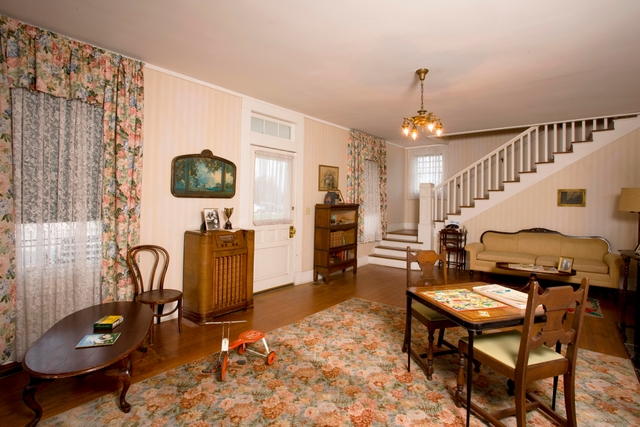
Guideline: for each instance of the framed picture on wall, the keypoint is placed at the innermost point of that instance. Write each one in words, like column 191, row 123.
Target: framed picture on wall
column 203, row 175
column 575, row 198
column 328, row 178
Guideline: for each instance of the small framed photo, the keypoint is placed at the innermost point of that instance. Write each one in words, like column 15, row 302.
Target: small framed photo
column 638, row 249
column 339, row 198
column 328, row 178
column 211, row 219
column 575, row 198
column 565, row 264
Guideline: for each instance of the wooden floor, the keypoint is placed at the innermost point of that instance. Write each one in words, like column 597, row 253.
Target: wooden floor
column 272, row 309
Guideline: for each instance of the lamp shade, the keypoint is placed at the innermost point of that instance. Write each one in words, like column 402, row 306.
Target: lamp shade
column 629, row 200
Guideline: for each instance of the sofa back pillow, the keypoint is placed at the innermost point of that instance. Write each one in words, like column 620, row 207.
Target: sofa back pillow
column 586, row 248
column 539, row 243
column 500, row 242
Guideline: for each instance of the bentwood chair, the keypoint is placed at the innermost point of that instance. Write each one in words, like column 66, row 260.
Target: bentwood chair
column 527, row 356
column 433, row 320
column 152, row 292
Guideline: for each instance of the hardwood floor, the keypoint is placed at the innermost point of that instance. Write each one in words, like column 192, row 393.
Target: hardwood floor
column 272, row 309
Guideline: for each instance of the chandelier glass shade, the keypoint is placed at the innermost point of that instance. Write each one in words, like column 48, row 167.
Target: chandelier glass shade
column 424, row 120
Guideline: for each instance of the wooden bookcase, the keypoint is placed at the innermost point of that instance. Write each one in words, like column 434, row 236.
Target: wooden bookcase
column 336, row 240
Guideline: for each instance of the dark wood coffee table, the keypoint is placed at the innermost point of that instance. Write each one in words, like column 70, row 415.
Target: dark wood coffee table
column 55, row 355
column 533, row 273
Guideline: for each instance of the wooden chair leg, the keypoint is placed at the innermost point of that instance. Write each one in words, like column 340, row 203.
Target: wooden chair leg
column 521, row 404
column 570, row 399
column 430, row 354
column 460, row 380
column 180, row 315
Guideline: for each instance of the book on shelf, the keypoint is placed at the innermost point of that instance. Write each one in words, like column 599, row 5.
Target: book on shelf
column 503, row 294
column 98, row 340
column 108, row 322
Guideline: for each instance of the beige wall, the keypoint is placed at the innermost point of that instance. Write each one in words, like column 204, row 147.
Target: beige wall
column 324, row 144
column 182, row 117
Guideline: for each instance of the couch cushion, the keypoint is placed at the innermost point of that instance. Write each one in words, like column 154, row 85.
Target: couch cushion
column 586, row 248
column 499, row 256
column 500, row 242
column 540, row 243
column 590, row 266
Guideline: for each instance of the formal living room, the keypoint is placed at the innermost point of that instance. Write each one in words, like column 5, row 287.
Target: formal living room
column 295, row 177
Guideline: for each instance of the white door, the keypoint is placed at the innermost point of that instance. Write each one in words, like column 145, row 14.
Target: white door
column 275, row 134
column 273, row 217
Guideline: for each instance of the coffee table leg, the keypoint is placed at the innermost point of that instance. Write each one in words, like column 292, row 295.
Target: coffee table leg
column 29, row 397
column 122, row 371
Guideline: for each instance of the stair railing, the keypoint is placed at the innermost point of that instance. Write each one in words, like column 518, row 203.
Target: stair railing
column 537, row 144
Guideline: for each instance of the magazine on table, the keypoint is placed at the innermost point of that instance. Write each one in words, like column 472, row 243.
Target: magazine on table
column 98, row 340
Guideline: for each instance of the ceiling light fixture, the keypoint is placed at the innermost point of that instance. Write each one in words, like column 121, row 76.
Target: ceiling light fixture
column 424, row 120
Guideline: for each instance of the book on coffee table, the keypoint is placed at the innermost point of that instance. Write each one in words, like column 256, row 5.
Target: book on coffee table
column 98, row 340
column 108, row 322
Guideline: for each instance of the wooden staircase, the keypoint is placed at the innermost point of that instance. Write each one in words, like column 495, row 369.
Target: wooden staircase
column 392, row 250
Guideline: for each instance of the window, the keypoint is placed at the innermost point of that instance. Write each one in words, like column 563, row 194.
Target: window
column 272, row 189
column 270, row 127
column 426, row 165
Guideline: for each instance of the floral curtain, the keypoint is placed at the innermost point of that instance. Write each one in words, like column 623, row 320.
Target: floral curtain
column 43, row 61
column 364, row 147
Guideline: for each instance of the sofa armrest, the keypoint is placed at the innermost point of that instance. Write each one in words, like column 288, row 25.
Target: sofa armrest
column 473, row 249
column 614, row 262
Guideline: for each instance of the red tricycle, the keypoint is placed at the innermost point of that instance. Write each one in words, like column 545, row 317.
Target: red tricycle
column 245, row 338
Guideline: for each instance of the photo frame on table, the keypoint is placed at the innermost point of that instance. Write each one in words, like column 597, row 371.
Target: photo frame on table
column 211, row 219
column 328, row 178
column 565, row 264
column 637, row 251
column 572, row 198
column 339, row 198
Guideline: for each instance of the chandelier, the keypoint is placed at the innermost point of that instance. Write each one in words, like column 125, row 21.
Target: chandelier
column 424, row 119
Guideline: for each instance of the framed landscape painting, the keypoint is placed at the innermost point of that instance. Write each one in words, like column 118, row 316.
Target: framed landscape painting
column 203, row 175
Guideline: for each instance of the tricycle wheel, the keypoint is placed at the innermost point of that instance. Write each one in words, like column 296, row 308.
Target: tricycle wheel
column 223, row 366
column 271, row 357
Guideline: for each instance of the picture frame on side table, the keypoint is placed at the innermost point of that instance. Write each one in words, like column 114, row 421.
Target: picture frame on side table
column 211, row 219
column 565, row 264
column 637, row 251
column 339, row 199
column 572, row 198
column 328, row 178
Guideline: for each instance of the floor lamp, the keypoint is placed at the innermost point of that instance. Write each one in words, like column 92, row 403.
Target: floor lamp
column 630, row 202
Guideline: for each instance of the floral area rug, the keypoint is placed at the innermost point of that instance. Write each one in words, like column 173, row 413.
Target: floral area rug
column 591, row 308
column 344, row 367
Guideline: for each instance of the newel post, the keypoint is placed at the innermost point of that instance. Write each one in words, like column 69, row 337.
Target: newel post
column 425, row 224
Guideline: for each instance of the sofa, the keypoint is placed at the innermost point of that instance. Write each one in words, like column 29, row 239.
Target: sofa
column 592, row 256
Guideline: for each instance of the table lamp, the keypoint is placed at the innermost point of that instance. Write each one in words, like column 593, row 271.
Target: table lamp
column 630, row 202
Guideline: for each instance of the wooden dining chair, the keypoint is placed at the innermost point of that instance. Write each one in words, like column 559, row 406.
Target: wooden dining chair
column 533, row 354
column 427, row 261
column 152, row 292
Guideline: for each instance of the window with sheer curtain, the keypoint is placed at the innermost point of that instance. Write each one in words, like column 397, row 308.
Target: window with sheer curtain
column 272, row 188
column 58, row 163
column 426, row 165
column 371, row 208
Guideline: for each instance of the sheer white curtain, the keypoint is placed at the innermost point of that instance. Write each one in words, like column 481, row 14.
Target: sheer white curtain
column 371, row 208
column 58, row 163
column 272, row 188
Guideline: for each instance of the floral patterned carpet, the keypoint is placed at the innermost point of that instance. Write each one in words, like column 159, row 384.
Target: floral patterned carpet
column 344, row 367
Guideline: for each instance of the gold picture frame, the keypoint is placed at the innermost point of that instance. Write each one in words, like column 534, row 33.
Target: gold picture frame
column 572, row 198
column 565, row 264
column 328, row 178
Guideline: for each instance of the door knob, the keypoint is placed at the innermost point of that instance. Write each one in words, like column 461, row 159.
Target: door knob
column 292, row 231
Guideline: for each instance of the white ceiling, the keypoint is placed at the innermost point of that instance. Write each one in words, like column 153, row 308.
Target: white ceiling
column 493, row 63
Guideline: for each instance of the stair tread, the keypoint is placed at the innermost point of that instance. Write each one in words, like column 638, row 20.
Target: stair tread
column 400, row 240
column 393, row 248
